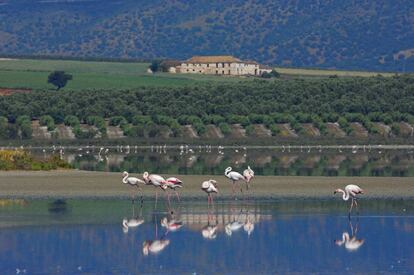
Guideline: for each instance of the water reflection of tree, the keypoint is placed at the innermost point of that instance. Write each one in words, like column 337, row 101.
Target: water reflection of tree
column 267, row 162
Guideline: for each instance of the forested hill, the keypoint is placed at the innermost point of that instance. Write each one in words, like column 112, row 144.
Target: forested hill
column 369, row 35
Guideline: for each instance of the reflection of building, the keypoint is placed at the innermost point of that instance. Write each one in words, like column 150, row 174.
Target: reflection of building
column 220, row 65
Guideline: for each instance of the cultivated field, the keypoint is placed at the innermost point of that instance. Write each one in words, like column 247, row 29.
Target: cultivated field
column 32, row 74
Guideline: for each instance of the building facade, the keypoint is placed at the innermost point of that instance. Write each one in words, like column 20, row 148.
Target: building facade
column 220, row 65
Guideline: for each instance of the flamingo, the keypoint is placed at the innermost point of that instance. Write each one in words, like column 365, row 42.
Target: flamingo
column 351, row 191
column 156, row 181
column 248, row 174
column 174, row 183
column 209, row 187
column 132, row 181
column 234, row 176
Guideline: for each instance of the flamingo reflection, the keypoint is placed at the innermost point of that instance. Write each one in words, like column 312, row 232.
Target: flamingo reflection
column 155, row 246
column 209, row 231
column 134, row 222
column 351, row 243
column 171, row 223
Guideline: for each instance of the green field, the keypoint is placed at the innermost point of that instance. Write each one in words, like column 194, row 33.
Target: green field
column 32, row 74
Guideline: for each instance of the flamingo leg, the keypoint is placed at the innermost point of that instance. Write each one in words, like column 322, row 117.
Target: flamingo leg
column 350, row 209
column 234, row 191
column 356, row 206
column 156, row 198
column 178, row 196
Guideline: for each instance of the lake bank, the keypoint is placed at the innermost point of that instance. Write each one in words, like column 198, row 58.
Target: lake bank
column 83, row 184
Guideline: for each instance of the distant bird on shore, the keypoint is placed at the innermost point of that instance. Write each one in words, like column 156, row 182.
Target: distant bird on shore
column 132, row 181
column 209, row 186
column 351, row 191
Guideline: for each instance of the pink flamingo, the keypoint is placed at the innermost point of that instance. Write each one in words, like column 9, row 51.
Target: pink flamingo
column 156, row 181
column 248, row 174
column 174, row 183
column 351, row 191
column 209, row 186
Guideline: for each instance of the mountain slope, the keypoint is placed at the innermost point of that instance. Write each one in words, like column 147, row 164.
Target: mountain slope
column 371, row 35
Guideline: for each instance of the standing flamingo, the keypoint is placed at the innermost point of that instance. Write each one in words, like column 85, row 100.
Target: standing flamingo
column 248, row 175
column 156, row 181
column 174, row 183
column 234, row 177
column 209, row 187
column 132, row 181
column 352, row 191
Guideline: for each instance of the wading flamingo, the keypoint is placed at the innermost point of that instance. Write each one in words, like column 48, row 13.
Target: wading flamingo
column 132, row 181
column 248, row 174
column 209, row 186
column 351, row 191
column 157, row 181
column 234, row 177
column 174, row 183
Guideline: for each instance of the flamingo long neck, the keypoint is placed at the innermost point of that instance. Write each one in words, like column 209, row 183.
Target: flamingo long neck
column 228, row 170
column 345, row 195
column 125, row 223
column 125, row 179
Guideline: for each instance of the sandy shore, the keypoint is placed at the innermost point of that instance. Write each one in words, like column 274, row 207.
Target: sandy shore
column 83, row 184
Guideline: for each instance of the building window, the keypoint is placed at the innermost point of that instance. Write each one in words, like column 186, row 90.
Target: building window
column 216, row 71
column 188, row 70
column 216, row 65
column 222, row 72
column 208, row 65
column 229, row 71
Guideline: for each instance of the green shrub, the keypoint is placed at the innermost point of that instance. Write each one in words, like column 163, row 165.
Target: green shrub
column 224, row 128
column 135, row 131
column 71, row 121
column 48, row 121
column 142, row 120
column 118, row 121
column 237, row 119
column 200, row 128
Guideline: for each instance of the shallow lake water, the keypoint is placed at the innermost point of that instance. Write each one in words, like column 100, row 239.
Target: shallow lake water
column 204, row 160
column 281, row 236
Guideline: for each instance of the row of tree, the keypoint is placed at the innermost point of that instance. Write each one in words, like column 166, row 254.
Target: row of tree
column 310, row 96
column 151, row 126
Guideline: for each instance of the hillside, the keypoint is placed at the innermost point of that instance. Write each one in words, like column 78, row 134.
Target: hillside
column 365, row 35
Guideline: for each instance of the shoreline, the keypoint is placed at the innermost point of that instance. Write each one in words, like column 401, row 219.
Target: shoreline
column 76, row 184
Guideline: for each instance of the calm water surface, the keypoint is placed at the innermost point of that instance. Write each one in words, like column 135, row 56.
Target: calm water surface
column 201, row 160
column 73, row 237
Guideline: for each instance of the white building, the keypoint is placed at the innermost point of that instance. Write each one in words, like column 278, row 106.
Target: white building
column 220, row 65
